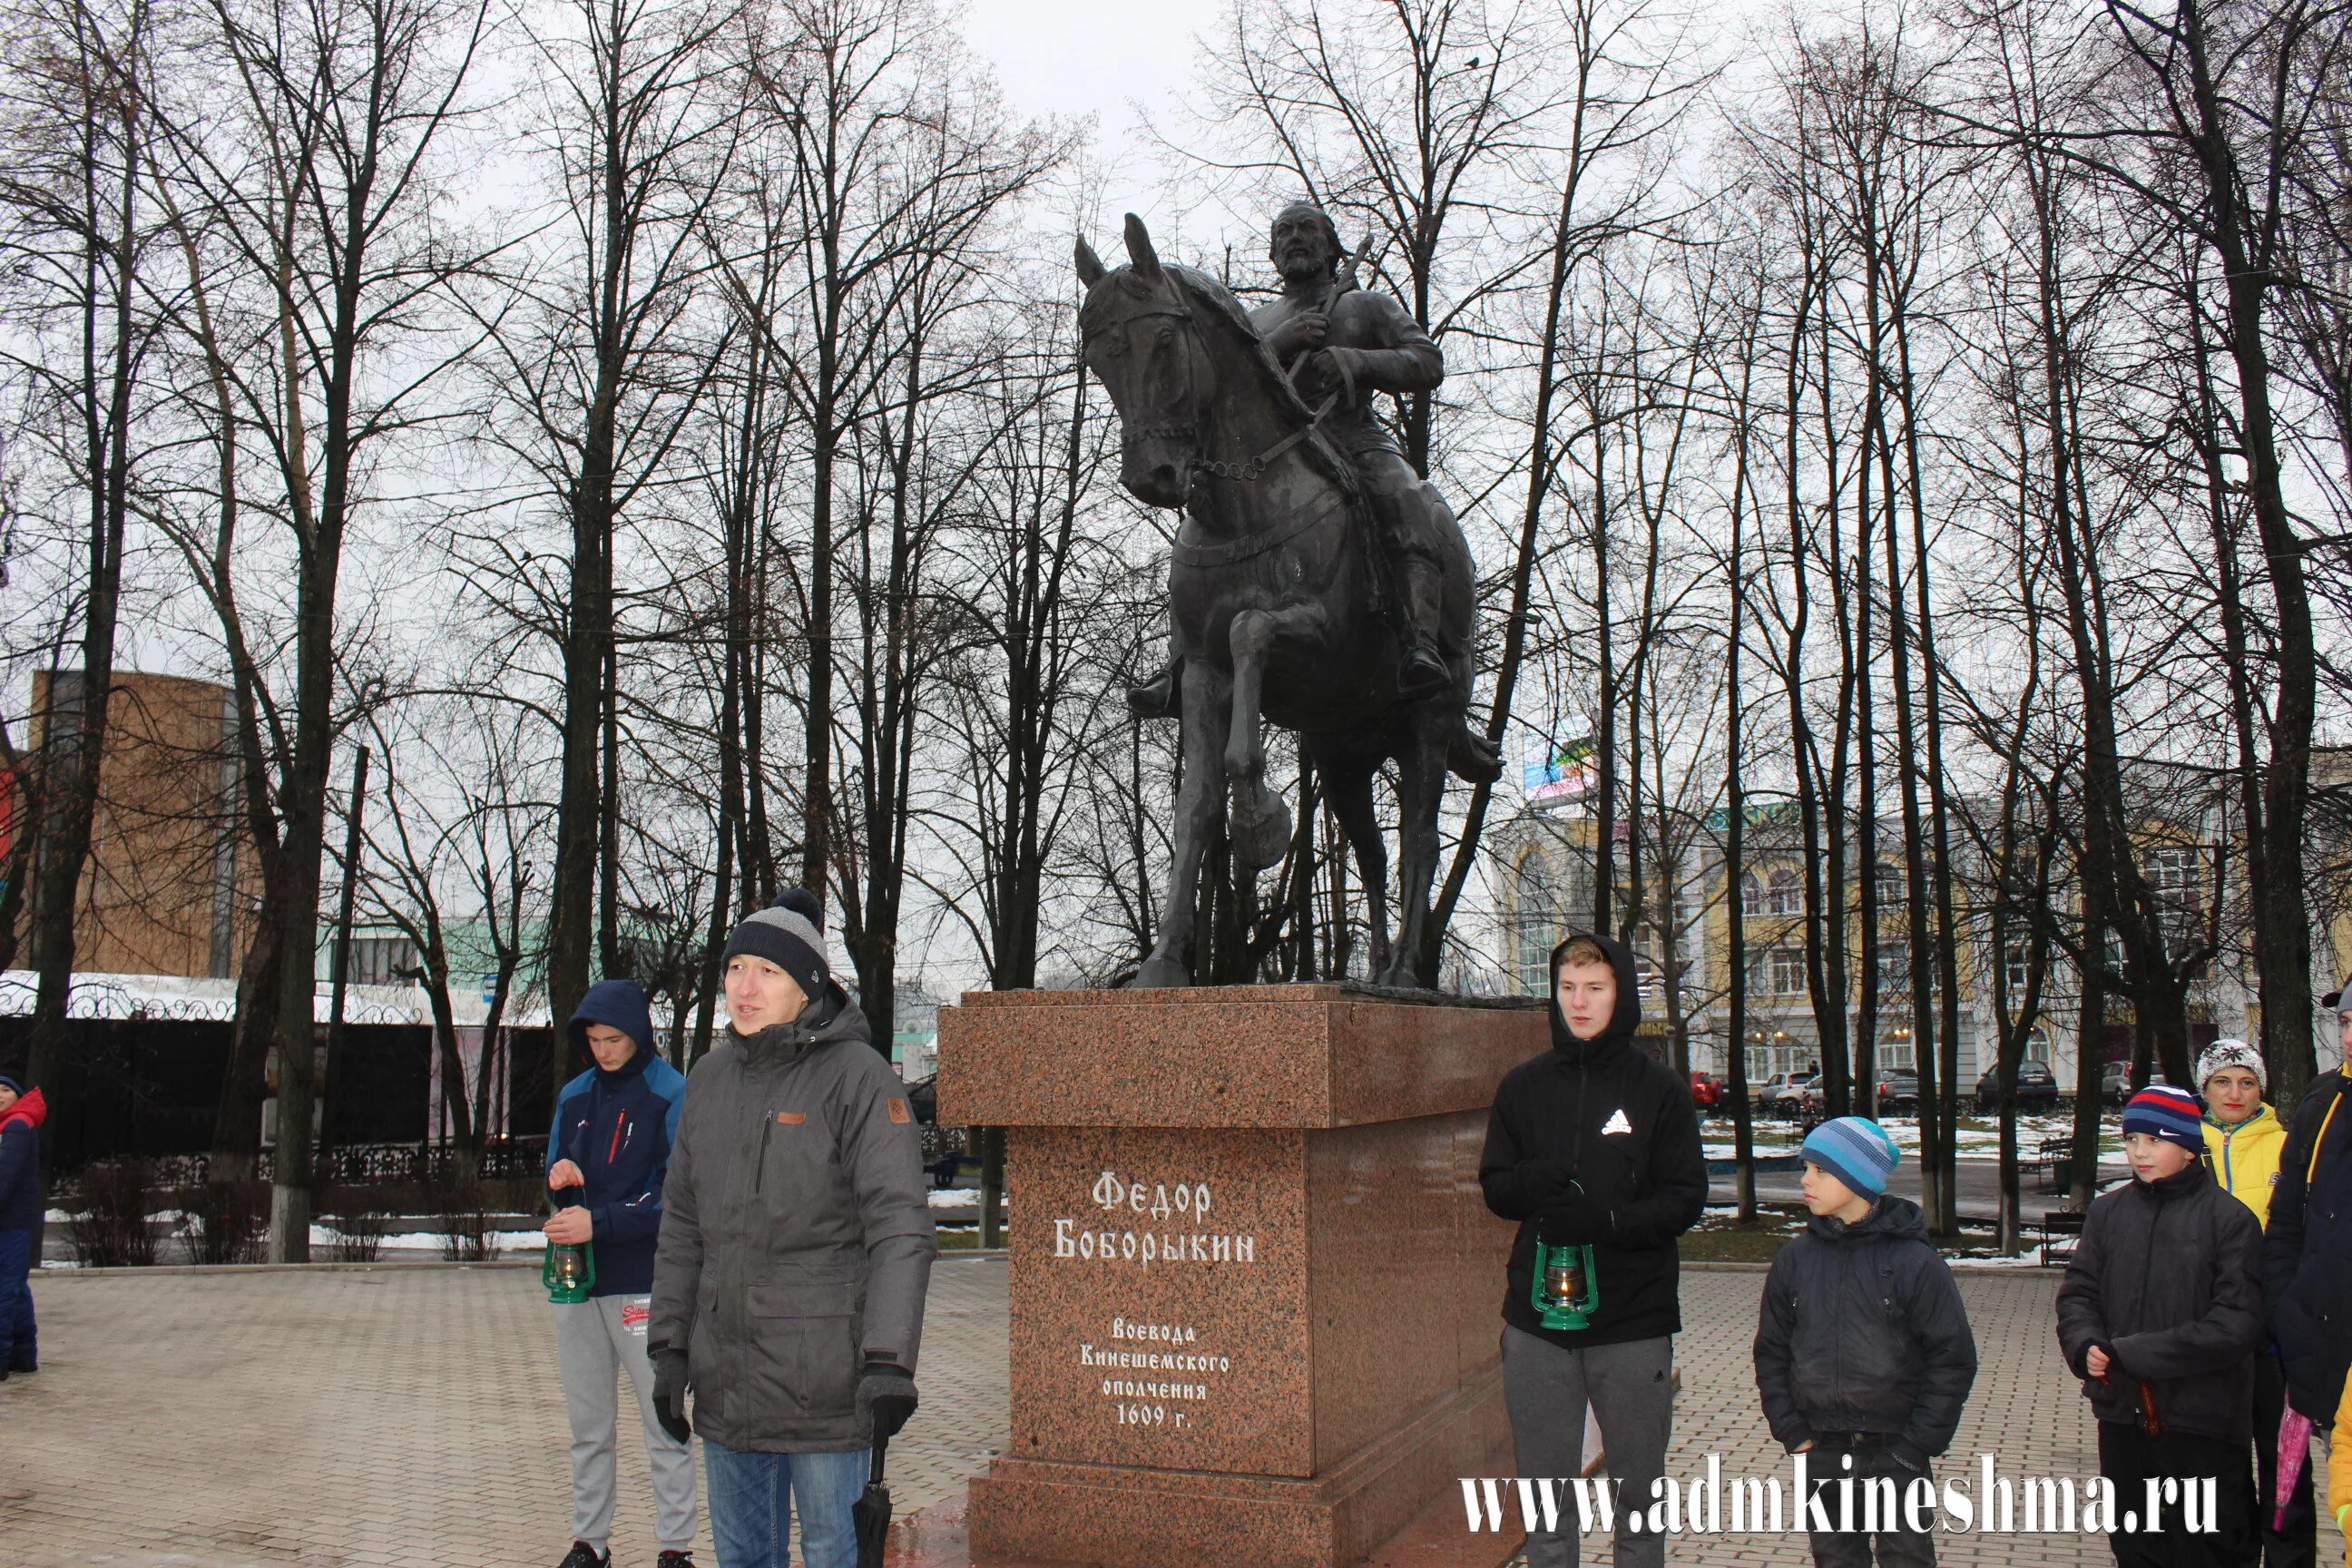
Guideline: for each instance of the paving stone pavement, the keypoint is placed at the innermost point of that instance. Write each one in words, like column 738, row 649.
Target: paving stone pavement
column 394, row 1418
column 2026, row 1410
column 411, row 1418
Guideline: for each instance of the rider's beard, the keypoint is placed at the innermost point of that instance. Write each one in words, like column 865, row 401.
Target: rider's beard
column 1307, row 267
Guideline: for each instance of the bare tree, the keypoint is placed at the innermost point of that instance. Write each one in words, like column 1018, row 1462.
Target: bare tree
column 76, row 223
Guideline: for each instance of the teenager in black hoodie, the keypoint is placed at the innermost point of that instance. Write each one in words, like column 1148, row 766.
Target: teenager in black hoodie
column 1594, row 1142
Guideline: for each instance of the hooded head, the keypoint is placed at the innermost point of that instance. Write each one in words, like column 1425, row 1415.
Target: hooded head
column 618, row 1004
column 1575, row 955
column 26, row 1107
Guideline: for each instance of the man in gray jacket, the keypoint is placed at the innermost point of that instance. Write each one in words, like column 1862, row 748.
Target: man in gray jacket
column 797, row 1247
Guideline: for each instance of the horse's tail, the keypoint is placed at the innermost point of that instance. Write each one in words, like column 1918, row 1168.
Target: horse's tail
column 1471, row 756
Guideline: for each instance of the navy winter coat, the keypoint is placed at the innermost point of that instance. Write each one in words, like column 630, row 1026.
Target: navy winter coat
column 2308, row 1250
column 20, row 1163
column 618, row 1127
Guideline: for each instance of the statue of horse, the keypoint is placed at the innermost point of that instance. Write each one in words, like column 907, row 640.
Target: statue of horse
column 1276, row 601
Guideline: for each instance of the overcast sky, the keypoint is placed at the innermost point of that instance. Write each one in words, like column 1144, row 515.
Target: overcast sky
column 1101, row 58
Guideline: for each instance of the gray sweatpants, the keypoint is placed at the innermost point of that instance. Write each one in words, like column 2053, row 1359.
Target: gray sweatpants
column 1630, row 1388
column 596, row 1342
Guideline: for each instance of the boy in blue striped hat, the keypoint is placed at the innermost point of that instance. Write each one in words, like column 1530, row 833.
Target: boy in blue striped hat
column 1863, row 1353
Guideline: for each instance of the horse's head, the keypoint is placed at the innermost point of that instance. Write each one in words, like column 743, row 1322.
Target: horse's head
column 1137, row 331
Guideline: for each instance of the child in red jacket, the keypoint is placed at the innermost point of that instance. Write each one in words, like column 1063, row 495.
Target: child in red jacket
column 21, row 1114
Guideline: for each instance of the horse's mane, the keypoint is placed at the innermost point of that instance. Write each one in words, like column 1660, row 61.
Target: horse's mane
column 1222, row 306
column 1221, row 300
column 1204, row 288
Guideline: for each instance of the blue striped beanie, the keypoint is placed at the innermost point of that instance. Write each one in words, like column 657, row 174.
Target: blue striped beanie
column 1857, row 1151
column 2163, row 1111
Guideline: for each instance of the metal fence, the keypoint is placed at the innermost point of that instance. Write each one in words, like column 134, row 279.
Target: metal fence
column 371, row 1164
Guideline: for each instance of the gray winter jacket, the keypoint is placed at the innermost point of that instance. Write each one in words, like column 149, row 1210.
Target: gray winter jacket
column 796, row 1237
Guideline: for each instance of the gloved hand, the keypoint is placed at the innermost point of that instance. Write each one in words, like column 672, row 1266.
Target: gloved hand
column 1545, row 1179
column 669, row 1393
column 1573, row 1220
column 886, row 1397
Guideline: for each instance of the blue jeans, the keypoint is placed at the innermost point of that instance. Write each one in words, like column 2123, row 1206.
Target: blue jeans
column 749, row 1495
column 17, row 1346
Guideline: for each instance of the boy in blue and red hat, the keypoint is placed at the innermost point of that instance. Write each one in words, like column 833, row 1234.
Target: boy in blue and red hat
column 2160, row 1315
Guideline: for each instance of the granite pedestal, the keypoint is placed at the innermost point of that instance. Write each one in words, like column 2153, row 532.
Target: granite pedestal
column 1255, row 1289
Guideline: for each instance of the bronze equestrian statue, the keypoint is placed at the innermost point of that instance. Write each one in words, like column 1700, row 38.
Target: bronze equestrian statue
column 1316, row 581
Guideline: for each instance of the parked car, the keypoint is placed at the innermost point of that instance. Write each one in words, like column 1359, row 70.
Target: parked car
column 1898, row 1090
column 1766, row 1096
column 1804, row 1100
column 2115, row 1082
column 1707, row 1091
column 2036, row 1089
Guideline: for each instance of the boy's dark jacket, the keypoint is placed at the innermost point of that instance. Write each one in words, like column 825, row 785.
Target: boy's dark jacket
column 1862, row 1329
column 20, row 1161
column 2308, row 1250
column 618, row 1127
column 1596, row 1142
column 2165, row 1280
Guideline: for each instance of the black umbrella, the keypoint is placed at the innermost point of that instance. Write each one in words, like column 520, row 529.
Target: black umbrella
column 870, row 1514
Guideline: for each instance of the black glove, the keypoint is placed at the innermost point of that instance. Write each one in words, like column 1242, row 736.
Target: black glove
column 885, row 1398
column 1546, row 1180
column 669, row 1393
column 1573, row 1221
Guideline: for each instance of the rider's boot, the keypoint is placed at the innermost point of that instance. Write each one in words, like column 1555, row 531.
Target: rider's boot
column 1160, row 697
column 1421, row 672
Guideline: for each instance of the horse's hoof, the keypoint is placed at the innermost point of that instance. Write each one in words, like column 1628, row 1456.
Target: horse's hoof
column 1261, row 838
column 1159, row 973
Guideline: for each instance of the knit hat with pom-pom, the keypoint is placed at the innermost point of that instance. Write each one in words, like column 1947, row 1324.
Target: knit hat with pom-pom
column 790, row 935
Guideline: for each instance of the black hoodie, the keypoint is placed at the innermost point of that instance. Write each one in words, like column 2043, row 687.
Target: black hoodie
column 1861, row 1329
column 1596, row 1142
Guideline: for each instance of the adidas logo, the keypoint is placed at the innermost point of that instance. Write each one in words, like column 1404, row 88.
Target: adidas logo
column 1616, row 1124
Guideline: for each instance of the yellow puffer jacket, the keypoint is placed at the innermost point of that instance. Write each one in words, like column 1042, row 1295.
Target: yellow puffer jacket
column 2246, row 1158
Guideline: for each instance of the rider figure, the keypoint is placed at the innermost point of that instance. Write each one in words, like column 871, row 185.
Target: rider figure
column 1355, row 342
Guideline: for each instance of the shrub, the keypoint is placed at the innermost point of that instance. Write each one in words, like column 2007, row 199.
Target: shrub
column 225, row 1222
column 111, row 1230
column 357, row 1215
column 455, row 1198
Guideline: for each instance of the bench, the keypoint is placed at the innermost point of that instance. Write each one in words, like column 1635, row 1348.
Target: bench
column 2051, row 1164
column 2060, row 1230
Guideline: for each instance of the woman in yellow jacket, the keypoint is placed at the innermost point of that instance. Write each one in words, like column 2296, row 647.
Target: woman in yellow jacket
column 2243, row 1138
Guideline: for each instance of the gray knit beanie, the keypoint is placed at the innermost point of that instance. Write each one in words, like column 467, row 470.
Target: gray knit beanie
column 791, row 935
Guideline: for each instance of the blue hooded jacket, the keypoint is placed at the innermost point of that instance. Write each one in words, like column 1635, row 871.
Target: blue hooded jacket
column 618, row 1127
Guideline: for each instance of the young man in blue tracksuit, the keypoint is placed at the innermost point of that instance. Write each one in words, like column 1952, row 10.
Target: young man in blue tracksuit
column 606, row 1159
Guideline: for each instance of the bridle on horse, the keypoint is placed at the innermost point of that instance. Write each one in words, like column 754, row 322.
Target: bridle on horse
column 1245, row 472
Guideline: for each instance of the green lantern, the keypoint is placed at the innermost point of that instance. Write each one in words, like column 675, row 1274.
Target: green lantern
column 1567, row 1287
column 570, row 1271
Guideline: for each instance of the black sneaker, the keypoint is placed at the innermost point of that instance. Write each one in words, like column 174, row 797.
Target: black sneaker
column 675, row 1560
column 583, row 1555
